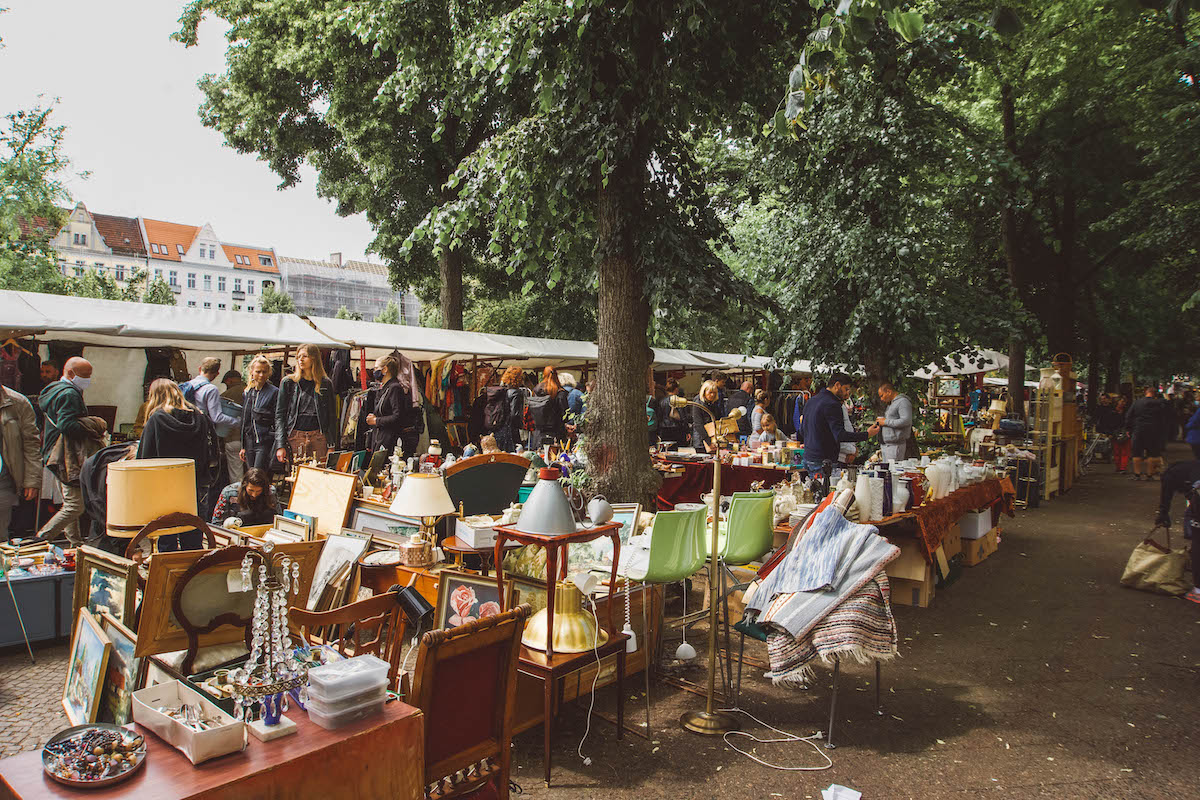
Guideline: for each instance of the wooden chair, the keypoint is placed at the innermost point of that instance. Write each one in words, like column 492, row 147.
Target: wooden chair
column 195, row 628
column 466, row 685
column 375, row 626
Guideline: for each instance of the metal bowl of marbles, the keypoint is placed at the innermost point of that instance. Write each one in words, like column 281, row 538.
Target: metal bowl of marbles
column 90, row 756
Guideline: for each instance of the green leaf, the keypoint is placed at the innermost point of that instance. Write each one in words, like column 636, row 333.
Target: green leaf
column 907, row 23
column 693, row 23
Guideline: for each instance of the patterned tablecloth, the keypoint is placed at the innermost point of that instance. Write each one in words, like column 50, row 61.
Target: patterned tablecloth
column 935, row 517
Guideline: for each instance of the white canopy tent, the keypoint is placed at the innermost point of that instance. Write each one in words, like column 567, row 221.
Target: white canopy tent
column 965, row 364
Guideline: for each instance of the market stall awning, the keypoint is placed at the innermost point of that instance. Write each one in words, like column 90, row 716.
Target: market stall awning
column 418, row 343
column 115, row 323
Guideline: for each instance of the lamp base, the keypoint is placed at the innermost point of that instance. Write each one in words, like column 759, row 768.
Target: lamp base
column 714, row 724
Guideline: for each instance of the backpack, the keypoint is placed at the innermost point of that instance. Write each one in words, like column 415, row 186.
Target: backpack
column 188, row 388
column 546, row 412
column 495, row 408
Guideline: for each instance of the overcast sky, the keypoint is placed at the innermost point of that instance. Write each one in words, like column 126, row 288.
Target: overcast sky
column 128, row 97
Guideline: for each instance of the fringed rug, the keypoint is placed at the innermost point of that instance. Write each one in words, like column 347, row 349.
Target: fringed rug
column 861, row 628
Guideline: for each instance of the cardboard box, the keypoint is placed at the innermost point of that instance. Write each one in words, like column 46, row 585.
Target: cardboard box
column 910, row 564
column 906, row 592
column 976, row 550
column 952, row 542
column 475, row 535
column 198, row 746
column 975, row 524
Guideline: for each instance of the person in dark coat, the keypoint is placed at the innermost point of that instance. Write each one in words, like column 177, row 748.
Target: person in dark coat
column 1147, row 423
column 741, row 398
column 394, row 419
column 710, row 398
column 824, row 424
column 551, row 427
column 304, row 418
column 258, row 418
column 93, row 481
column 672, row 422
column 1183, row 478
column 177, row 429
column 508, row 433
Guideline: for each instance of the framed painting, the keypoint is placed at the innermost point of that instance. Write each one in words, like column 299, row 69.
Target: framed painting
column 524, row 590
column 123, row 674
column 276, row 536
column 208, row 594
column 463, row 598
column 85, row 669
column 105, row 583
column 301, row 529
column 341, row 550
column 597, row 554
column 325, row 495
column 377, row 520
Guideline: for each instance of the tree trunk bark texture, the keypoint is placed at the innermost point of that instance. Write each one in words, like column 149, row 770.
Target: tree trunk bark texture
column 450, row 301
column 1008, row 234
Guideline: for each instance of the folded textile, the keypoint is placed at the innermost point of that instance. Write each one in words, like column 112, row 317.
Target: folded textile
column 857, row 552
column 862, row 627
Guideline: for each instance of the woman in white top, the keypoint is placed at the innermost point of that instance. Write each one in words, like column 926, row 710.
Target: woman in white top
column 761, row 398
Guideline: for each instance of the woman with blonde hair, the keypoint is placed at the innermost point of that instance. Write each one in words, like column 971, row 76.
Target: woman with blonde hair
column 710, row 398
column 258, row 417
column 177, row 429
column 304, row 424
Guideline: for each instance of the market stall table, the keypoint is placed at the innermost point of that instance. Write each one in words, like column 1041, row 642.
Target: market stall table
column 935, row 517
column 383, row 756
column 697, row 479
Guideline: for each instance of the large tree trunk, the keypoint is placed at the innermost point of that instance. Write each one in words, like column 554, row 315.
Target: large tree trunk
column 617, row 441
column 450, row 265
column 1095, row 365
column 1112, row 373
column 1008, row 235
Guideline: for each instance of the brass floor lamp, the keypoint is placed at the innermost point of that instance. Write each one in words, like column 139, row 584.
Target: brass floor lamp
column 710, row 721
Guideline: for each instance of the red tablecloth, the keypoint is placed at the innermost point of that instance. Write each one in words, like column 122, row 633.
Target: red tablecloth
column 697, row 480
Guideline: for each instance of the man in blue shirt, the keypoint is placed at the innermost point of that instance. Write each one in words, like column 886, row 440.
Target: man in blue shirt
column 823, row 426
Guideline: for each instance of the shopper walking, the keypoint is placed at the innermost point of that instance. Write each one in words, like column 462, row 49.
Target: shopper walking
column 304, row 424
column 1146, row 420
column 394, row 419
column 65, row 417
column 1184, row 478
column 258, row 419
column 1110, row 422
column 896, row 424
column 251, row 500
column 20, row 456
column 177, row 429
column 548, row 406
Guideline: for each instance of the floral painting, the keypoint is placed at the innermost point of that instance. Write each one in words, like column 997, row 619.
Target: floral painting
column 465, row 598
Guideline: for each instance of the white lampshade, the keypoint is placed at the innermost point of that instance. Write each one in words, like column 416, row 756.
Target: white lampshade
column 422, row 495
column 142, row 490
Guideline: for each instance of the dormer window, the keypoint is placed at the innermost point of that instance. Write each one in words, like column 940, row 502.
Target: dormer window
column 179, row 248
column 153, row 247
column 264, row 261
column 162, row 248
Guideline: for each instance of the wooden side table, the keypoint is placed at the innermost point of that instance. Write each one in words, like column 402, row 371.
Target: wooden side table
column 554, row 570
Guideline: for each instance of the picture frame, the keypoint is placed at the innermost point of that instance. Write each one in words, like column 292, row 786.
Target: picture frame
column 596, row 555
column 324, row 494
column 85, row 669
column 518, row 590
column 340, row 549
column 378, row 521
column 949, row 387
column 300, row 528
column 376, row 467
column 105, row 582
column 331, row 459
column 122, row 675
column 277, row 537
column 208, row 596
column 464, row 597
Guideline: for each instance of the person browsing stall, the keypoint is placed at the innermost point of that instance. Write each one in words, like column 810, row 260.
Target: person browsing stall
column 235, row 392
column 710, row 398
column 1183, row 478
column 304, row 424
column 252, row 500
column 394, row 419
column 741, row 397
column 20, row 460
column 823, row 426
column 672, row 422
column 258, row 417
column 207, row 398
column 65, row 411
column 896, row 424
column 549, row 414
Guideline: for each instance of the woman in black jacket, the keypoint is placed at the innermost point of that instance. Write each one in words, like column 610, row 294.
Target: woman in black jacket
column 549, row 416
column 508, row 432
column 177, row 429
column 395, row 418
column 710, row 398
column 672, row 422
column 304, row 422
column 258, row 417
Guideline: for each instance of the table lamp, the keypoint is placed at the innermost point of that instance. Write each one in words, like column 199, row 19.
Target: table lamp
column 547, row 510
column 422, row 495
column 142, row 490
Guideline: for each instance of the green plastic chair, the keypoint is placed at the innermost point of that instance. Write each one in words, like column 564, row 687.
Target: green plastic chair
column 747, row 534
column 676, row 553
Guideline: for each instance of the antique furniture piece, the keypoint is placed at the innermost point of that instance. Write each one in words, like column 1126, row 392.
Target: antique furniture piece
column 375, row 626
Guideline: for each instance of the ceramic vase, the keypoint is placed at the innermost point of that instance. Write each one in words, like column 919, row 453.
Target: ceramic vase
column 862, row 496
column 876, row 498
column 900, row 494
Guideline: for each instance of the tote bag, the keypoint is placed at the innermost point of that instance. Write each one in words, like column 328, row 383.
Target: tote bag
column 1154, row 568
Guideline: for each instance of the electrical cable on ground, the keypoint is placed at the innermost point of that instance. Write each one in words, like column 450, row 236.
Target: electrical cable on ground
column 787, row 737
column 587, row 761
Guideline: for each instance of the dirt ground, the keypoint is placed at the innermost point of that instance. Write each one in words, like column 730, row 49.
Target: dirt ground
column 1035, row 675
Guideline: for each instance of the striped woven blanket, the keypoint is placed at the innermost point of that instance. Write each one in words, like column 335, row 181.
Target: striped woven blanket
column 861, row 627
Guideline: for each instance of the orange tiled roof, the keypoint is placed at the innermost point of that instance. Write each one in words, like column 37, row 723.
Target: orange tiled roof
column 247, row 257
column 121, row 234
column 170, row 234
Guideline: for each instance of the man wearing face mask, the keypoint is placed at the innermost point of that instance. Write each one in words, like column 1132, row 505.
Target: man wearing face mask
column 64, row 409
column 394, row 419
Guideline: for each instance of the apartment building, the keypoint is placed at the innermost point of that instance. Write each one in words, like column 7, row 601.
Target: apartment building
column 203, row 271
column 99, row 242
column 321, row 288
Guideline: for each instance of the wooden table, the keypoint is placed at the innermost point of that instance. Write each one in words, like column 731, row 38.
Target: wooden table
column 551, row 668
column 458, row 548
column 379, row 757
column 555, row 571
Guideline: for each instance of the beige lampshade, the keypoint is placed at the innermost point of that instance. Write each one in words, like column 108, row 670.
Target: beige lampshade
column 422, row 495
column 142, row 490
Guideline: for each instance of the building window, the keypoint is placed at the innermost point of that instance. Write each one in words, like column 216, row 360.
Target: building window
column 237, row 307
column 212, row 253
column 250, row 308
column 220, row 306
column 99, row 265
column 78, row 272
column 237, row 284
column 207, row 304
column 179, row 248
column 191, row 280
column 158, row 274
column 153, row 247
column 162, row 248
column 191, row 303
column 120, row 270
column 264, row 261
column 81, row 238
column 220, row 283
column 250, row 286
column 208, row 283
column 173, row 278
column 268, row 285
